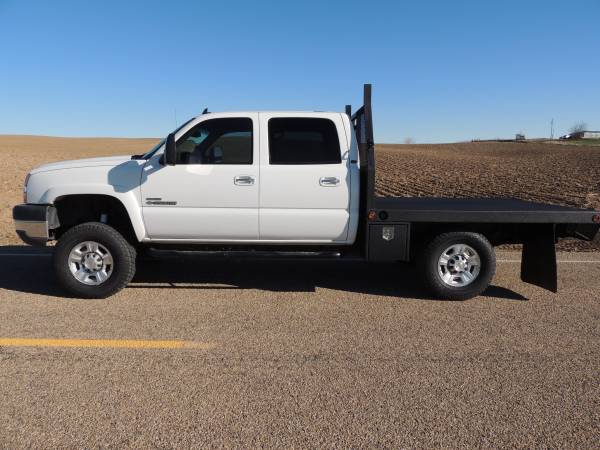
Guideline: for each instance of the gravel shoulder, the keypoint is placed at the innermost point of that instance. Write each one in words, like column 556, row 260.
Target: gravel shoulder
column 305, row 355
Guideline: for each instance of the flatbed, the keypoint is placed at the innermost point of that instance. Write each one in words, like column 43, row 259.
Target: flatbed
column 478, row 210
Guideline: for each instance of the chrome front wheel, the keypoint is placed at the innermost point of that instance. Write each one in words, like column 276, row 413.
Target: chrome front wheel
column 90, row 263
column 93, row 260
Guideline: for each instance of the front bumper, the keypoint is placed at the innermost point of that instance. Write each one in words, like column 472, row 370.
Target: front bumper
column 34, row 223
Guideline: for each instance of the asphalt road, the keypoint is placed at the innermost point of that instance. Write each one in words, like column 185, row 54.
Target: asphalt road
column 303, row 355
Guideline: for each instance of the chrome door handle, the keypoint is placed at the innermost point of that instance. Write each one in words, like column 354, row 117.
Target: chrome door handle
column 243, row 180
column 329, row 181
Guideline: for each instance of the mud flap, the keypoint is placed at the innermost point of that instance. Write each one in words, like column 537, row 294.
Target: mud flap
column 538, row 261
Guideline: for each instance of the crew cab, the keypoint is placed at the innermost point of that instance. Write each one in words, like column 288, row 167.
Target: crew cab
column 276, row 184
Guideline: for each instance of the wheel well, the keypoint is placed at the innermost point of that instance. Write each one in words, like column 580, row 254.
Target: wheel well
column 75, row 209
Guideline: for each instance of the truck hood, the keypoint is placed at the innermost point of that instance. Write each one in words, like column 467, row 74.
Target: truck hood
column 77, row 163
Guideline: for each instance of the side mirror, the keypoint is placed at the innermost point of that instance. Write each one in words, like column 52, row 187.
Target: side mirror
column 170, row 156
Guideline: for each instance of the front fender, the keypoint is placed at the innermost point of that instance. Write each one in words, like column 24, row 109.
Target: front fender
column 121, row 182
column 129, row 199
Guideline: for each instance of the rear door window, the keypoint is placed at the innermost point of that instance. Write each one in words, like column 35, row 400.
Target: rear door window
column 303, row 141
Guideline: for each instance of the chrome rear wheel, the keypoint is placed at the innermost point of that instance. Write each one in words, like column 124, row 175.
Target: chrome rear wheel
column 459, row 265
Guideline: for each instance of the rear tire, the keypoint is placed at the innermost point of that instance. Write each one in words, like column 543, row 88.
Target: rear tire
column 458, row 265
column 93, row 260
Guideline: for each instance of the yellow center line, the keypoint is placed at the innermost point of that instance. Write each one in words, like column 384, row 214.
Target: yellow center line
column 105, row 343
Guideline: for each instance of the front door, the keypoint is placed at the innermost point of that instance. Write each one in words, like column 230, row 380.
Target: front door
column 211, row 194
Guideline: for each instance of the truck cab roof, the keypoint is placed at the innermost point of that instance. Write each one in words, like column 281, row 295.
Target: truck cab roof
column 277, row 112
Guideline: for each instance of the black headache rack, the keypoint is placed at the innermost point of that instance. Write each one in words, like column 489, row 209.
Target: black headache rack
column 362, row 121
column 384, row 232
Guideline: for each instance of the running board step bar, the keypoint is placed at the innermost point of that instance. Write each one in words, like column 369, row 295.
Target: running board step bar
column 246, row 254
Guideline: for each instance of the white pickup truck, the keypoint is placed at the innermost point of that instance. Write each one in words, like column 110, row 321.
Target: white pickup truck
column 275, row 184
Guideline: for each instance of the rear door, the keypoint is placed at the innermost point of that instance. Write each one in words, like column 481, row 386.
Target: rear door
column 305, row 183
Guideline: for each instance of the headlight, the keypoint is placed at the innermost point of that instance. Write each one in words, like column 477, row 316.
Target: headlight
column 25, row 188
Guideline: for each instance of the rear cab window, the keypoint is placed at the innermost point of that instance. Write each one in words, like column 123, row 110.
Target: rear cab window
column 303, row 141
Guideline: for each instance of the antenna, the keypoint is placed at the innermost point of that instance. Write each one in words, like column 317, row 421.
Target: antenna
column 205, row 111
column 552, row 129
column 175, row 115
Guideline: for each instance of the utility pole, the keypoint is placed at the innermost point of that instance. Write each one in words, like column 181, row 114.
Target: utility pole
column 552, row 129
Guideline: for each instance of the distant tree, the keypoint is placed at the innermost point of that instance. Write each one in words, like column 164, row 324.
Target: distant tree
column 409, row 140
column 579, row 126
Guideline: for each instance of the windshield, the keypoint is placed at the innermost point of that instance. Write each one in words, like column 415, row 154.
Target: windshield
column 154, row 149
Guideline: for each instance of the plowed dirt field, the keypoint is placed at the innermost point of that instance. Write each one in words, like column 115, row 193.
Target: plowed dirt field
column 543, row 172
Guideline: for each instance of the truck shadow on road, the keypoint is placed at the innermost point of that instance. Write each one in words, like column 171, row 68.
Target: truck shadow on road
column 28, row 270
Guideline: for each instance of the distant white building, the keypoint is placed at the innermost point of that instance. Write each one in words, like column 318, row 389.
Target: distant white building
column 582, row 135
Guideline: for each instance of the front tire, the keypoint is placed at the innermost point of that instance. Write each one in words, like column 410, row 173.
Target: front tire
column 93, row 260
column 458, row 265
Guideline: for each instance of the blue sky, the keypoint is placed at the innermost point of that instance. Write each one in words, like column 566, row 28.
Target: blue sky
column 442, row 71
